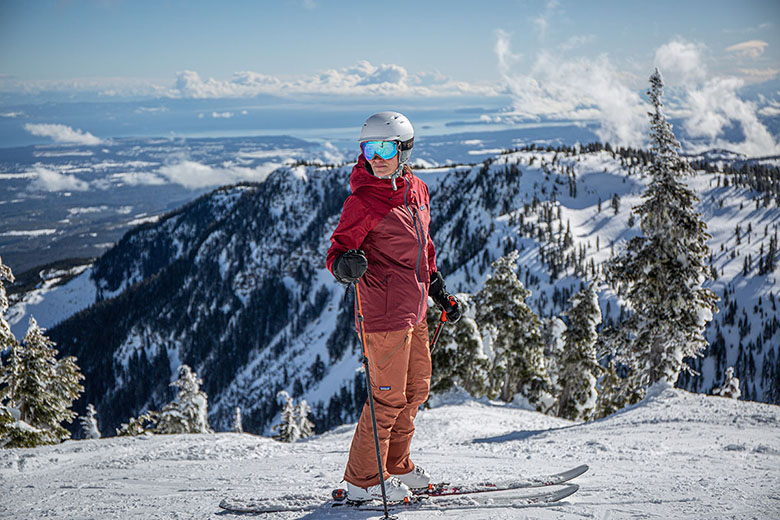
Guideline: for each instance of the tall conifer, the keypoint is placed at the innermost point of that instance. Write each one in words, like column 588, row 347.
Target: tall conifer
column 660, row 274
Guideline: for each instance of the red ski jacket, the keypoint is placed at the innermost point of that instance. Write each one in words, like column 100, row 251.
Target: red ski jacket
column 391, row 227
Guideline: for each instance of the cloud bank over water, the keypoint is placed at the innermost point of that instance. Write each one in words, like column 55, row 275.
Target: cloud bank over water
column 62, row 134
column 559, row 86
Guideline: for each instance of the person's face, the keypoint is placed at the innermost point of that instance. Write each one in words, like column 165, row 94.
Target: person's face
column 384, row 167
column 375, row 150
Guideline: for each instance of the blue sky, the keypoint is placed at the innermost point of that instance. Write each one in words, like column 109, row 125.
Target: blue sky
column 539, row 60
column 45, row 40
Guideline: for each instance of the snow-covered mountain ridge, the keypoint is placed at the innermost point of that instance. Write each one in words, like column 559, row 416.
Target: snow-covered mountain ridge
column 674, row 455
column 234, row 284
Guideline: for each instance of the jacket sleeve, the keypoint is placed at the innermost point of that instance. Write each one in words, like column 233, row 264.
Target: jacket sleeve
column 354, row 225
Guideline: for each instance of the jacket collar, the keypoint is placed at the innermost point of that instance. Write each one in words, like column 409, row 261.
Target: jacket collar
column 362, row 175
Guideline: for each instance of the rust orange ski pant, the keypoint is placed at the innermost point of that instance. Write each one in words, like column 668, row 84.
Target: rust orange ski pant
column 400, row 364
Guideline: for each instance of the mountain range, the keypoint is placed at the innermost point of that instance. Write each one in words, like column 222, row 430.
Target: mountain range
column 234, row 283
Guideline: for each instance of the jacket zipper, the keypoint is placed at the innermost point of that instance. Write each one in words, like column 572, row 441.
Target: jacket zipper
column 420, row 242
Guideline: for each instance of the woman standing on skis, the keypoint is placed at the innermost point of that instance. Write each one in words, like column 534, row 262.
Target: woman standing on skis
column 382, row 242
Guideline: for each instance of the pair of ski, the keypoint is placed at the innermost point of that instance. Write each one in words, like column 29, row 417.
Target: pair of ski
column 436, row 497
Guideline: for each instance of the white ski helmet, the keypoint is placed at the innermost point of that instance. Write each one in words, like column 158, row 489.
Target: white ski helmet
column 390, row 126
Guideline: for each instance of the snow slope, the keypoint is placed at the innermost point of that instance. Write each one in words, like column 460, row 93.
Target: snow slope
column 674, row 455
column 53, row 301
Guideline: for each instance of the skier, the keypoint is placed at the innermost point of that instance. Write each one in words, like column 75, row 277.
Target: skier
column 382, row 242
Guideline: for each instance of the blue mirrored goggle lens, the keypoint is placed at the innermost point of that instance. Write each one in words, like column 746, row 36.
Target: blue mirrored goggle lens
column 384, row 149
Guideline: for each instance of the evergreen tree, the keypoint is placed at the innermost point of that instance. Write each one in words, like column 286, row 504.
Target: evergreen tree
column 552, row 330
column 144, row 424
column 730, row 387
column 660, row 274
column 611, row 392
column 46, row 388
column 36, row 389
column 9, row 374
column 288, row 429
column 14, row 433
column 238, row 427
column 305, row 426
column 579, row 367
column 188, row 413
column 458, row 358
column 615, row 203
column 7, row 339
column 89, row 425
column 511, row 335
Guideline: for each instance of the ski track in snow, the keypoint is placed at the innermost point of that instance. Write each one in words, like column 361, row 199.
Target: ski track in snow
column 674, row 455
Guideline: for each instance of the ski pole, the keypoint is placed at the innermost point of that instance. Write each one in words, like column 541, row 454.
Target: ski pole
column 362, row 333
column 442, row 321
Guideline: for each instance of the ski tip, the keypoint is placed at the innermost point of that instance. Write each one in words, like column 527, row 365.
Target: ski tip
column 576, row 472
column 565, row 492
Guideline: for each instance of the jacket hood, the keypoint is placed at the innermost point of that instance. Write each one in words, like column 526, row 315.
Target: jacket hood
column 363, row 176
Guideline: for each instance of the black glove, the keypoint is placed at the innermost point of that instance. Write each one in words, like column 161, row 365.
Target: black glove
column 443, row 299
column 350, row 266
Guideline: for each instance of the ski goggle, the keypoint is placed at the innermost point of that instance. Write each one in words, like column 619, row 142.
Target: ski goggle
column 384, row 149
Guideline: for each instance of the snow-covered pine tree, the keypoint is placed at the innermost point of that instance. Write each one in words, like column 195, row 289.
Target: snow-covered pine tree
column 238, row 426
column 579, row 367
column 188, row 413
column 6, row 336
column 14, row 433
column 144, row 424
column 552, row 330
column 458, row 358
column 730, row 386
column 510, row 330
column 305, row 426
column 89, row 424
column 45, row 387
column 611, row 393
column 9, row 373
column 287, row 430
column 660, row 274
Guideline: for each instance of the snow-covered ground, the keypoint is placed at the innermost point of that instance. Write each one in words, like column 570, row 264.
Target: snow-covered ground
column 675, row 455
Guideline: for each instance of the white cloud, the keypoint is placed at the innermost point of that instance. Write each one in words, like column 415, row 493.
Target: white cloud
column 559, row 87
column 680, row 60
column 12, row 115
column 759, row 75
column 192, row 174
column 574, row 89
column 136, row 179
column 542, row 22
column 151, row 110
column 361, row 79
column 748, row 49
column 715, row 105
column 28, row 233
column 103, row 87
column 710, row 104
column 50, row 180
column 62, row 134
